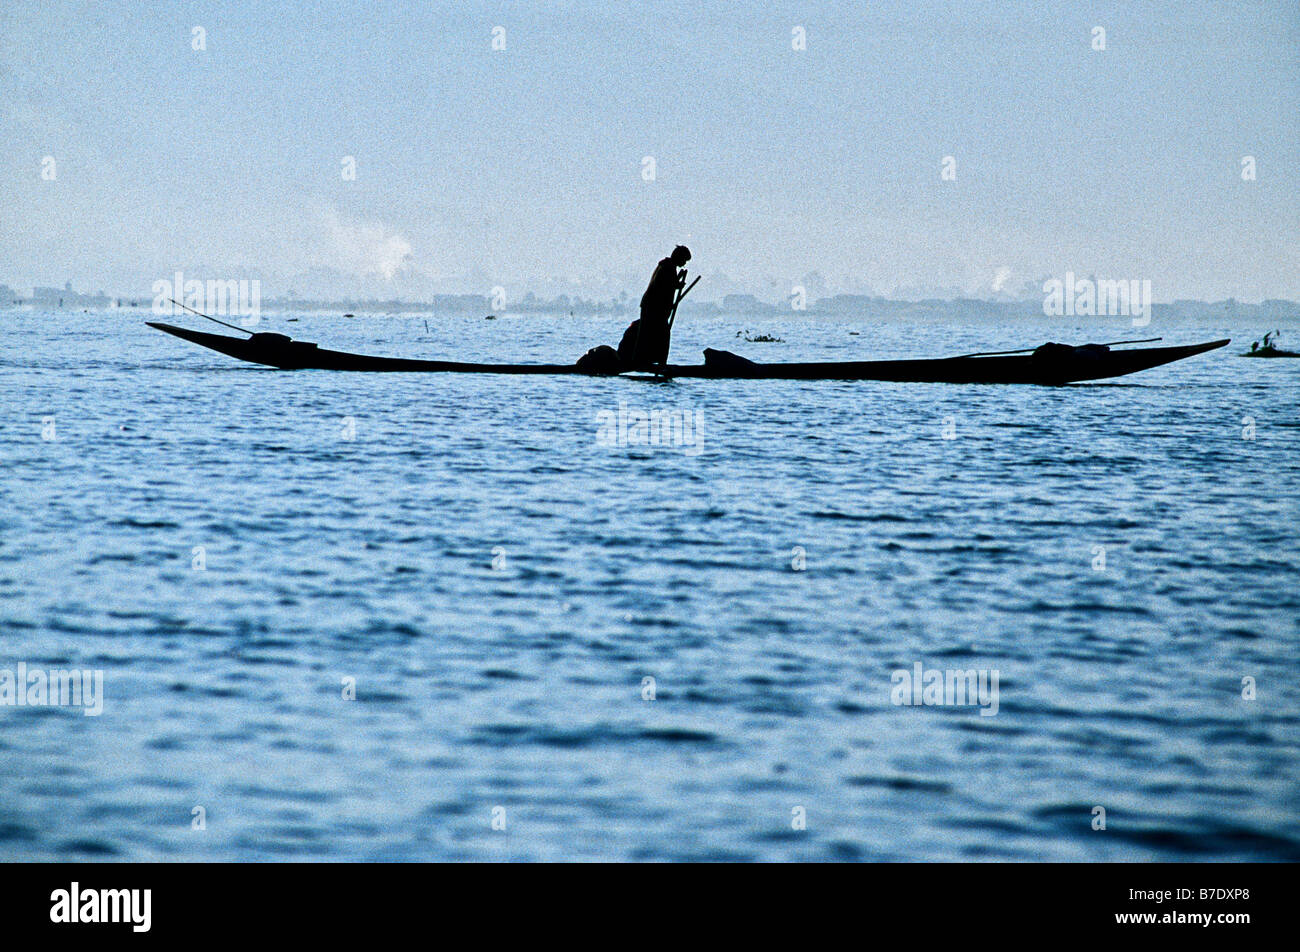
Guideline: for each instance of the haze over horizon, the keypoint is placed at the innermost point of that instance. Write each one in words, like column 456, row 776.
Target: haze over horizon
column 525, row 167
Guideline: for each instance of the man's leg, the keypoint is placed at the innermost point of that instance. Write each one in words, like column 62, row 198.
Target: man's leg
column 651, row 344
column 662, row 343
column 657, row 349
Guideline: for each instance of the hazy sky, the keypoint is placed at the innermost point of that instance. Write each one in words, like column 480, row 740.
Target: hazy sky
column 479, row 167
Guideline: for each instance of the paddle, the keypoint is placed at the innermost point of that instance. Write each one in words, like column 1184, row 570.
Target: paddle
column 672, row 315
column 1026, row 350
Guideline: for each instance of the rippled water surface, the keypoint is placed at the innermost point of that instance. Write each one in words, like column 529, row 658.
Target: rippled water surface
column 500, row 586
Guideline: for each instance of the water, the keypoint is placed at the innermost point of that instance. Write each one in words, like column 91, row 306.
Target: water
column 521, row 686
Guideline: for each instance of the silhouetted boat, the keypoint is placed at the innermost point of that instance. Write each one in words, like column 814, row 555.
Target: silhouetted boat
column 276, row 350
column 1271, row 352
column 1269, row 348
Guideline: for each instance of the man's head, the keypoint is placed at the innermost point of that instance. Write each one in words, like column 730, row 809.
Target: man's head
column 681, row 255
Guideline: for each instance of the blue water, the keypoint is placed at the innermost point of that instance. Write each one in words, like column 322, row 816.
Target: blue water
column 520, row 685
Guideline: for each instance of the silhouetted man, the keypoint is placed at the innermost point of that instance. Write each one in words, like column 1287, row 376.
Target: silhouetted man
column 646, row 341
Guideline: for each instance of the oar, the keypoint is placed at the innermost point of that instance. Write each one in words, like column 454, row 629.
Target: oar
column 673, row 314
column 1026, row 350
column 233, row 327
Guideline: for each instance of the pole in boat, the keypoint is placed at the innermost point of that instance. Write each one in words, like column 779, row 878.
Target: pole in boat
column 673, row 315
column 1026, row 350
column 233, row 327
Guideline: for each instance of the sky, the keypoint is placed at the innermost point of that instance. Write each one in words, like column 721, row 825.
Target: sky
column 526, row 167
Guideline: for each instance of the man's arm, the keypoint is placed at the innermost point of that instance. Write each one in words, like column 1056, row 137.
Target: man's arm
column 663, row 285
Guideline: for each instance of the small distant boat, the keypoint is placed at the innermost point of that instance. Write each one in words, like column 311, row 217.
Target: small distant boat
column 1269, row 348
column 1271, row 352
column 349, row 315
column 1052, row 364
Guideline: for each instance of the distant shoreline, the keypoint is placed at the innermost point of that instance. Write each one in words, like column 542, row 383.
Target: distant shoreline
column 731, row 305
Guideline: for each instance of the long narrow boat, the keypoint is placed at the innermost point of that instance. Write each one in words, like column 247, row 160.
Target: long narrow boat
column 1057, row 365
